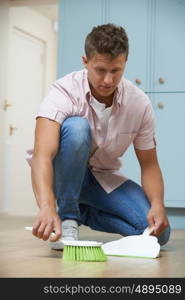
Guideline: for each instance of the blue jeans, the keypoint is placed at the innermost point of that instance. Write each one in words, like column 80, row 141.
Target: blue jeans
column 80, row 197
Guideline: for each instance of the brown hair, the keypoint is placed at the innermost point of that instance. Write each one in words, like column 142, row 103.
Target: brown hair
column 107, row 39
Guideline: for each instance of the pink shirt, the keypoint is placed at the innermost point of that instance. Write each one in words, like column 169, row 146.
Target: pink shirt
column 131, row 121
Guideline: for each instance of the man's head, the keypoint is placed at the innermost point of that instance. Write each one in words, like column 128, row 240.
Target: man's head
column 106, row 49
column 107, row 39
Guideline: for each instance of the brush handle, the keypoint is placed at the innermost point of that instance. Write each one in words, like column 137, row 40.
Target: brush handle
column 30, row 229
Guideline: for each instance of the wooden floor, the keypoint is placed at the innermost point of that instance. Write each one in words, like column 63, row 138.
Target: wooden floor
column 23, row 255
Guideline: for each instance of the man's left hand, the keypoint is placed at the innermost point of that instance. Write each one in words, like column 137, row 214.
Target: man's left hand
column 157, row 218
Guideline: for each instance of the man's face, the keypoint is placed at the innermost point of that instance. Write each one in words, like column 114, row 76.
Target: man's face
column 104, row 73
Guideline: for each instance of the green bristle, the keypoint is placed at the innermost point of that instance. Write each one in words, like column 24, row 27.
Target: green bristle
column 78, row 253
column 83, row 253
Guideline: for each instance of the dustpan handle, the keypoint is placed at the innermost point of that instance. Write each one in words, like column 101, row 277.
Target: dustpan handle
column 148, row 230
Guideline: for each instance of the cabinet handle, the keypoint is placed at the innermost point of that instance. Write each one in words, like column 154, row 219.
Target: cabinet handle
column 160, row 105
column 11, row 130
column 6, row 105
column 161, row 80
column 138, row 81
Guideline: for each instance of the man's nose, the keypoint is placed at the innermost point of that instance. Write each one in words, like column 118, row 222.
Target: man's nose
column 108, row 79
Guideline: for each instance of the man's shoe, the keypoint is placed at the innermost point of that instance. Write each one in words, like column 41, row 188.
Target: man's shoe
column 70, row 232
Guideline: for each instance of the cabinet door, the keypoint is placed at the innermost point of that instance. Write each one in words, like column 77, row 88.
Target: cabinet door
column 76, row 19
column 169, row 40
column 170, row 124
column 133, row 16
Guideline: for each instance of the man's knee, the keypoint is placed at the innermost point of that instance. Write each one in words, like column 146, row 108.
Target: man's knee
column 78, row 130
column 163, row 238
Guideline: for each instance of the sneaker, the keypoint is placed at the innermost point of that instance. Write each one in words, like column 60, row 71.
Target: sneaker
column 70, row 232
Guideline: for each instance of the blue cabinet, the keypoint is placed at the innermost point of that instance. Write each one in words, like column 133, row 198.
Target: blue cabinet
column 157, row 44
column 169, row 46
column 170, row 126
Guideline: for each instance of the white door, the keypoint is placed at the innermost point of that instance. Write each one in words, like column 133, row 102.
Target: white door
column 4, row 14
column 25, row 89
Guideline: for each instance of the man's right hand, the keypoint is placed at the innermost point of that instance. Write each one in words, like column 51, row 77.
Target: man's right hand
column 47, row 221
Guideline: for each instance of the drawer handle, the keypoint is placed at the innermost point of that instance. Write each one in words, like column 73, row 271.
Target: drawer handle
column 160, row 105
column 138, row 81
column 161, row 80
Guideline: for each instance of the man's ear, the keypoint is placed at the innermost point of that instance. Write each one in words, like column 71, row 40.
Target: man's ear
column 84, row 59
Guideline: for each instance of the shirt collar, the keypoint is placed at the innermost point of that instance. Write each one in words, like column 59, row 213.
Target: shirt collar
column 121, row 92
column 118, row 93
column 86, row 86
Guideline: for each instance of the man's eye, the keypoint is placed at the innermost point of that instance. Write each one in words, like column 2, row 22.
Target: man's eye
column 115, row 71
column 101, row 70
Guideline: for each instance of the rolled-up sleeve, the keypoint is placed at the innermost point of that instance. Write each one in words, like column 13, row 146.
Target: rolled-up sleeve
column 145, row 139
column 57, row 105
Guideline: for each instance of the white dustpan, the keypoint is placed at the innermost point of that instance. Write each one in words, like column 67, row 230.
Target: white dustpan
column 143, row 245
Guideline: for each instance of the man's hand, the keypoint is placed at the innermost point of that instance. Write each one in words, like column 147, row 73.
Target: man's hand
column 47, row 221
column 157, row 218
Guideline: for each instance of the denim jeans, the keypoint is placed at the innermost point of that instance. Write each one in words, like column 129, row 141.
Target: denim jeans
column 80, row 197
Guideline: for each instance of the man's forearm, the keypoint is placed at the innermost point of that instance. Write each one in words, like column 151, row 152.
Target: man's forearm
column 42, row 182
column 152, row 182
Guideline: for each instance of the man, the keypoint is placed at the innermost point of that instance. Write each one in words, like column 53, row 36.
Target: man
column 84, row 125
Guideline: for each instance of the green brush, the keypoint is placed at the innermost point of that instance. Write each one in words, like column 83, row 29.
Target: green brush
column 83, row 251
